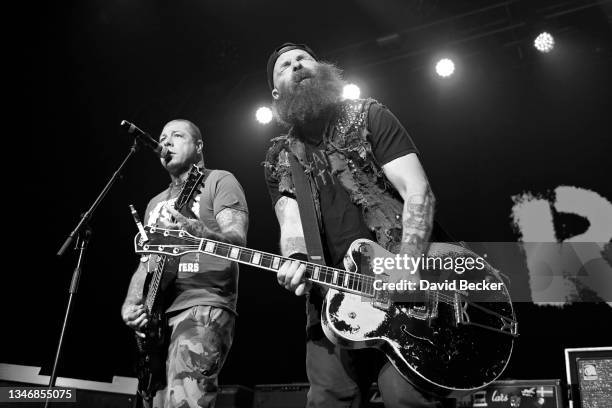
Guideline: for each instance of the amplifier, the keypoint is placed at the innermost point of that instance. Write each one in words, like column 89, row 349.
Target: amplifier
column 120, row 393
column 294, row 396
column 234, row 396
column 516, row 394
column 280, row 395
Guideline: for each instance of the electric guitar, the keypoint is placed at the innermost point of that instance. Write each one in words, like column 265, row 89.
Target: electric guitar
column 153, row 349
column 447, row 342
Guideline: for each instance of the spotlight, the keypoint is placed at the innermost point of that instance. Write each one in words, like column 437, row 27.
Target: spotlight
column 351, row 91
column 544, row 42
column 264, row 115
column 445, row 67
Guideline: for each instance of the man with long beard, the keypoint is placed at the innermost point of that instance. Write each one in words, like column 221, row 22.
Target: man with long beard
column 367, row 182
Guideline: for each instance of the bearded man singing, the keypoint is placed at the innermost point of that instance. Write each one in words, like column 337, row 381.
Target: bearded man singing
column 367, row 182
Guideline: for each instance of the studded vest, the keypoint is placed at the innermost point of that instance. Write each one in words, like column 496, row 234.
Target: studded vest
column 351, row 159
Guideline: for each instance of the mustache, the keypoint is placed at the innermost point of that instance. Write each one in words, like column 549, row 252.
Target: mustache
column 299, row 76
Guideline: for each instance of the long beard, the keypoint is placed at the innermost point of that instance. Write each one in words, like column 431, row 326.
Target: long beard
column 311, row 99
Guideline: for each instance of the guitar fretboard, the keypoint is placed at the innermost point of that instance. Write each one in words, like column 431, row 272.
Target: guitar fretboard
column 154, row 284
column 332, row 277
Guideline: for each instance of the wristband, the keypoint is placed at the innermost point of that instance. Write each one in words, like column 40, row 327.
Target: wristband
column 299, row 256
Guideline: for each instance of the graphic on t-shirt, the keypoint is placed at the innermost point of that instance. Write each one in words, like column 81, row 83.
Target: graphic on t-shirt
column 160, row 211
column 320, row 162
column 189, row 267
column 195, row 207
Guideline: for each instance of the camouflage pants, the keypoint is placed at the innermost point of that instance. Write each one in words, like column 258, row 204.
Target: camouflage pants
column 200, row 341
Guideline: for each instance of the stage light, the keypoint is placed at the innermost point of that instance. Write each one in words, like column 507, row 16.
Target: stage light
column 351, row 91
column 544, row 42
column 264, row 115
column 445, row 67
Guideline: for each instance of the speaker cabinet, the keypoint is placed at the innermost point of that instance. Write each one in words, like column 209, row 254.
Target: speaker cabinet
column 516, row 394
column 120, row 393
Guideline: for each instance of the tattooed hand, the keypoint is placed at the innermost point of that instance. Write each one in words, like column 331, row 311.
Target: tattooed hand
column 192, row 226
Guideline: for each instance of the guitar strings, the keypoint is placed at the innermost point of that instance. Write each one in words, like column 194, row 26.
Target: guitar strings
column 327, row 272
column 154, row 286
column 359, row 280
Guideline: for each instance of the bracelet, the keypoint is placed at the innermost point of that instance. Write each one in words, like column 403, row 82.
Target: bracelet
column 299, row 256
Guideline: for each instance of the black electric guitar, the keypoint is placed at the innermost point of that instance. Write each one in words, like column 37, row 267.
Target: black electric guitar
column 153, row 349
column 448, row 342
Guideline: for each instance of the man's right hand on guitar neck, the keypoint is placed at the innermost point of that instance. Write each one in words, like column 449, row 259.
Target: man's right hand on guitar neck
column 135, row 316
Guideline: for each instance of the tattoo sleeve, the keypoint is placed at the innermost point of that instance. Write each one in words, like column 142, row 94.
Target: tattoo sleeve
column 292, row 237
column 417, row 222
column 233, row 224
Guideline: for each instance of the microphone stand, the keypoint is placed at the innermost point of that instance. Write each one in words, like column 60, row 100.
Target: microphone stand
column 82, row 233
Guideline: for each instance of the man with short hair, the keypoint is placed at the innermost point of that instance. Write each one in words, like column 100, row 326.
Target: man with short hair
column 366, row 181
column 202, row 306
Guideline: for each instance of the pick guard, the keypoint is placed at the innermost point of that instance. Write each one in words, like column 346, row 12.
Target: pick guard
column 424, row 340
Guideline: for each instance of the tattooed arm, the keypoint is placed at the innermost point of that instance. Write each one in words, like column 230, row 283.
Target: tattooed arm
column 233, row 224
column 408, row 177
column 291, row 243
column 292, row 237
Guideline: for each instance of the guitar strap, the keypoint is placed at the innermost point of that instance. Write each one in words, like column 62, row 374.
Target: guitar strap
column 308, row 215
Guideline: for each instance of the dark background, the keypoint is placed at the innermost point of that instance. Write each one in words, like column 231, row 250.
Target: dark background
column 510, row 120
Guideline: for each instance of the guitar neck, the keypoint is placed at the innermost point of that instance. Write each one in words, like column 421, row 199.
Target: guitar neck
column 339, row 279
column 193, row 180
column 154, row 284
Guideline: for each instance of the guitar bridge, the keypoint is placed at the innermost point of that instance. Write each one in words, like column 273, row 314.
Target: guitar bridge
column 418, row 312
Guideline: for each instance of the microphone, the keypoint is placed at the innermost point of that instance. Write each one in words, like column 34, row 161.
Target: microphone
column 145, row 138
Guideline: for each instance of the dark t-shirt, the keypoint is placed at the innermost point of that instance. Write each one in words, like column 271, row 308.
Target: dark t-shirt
column 202, row 279
column 342, row 220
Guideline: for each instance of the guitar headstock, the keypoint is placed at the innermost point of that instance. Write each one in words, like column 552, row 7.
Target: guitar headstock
column 190, row 188
column 163, row 241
